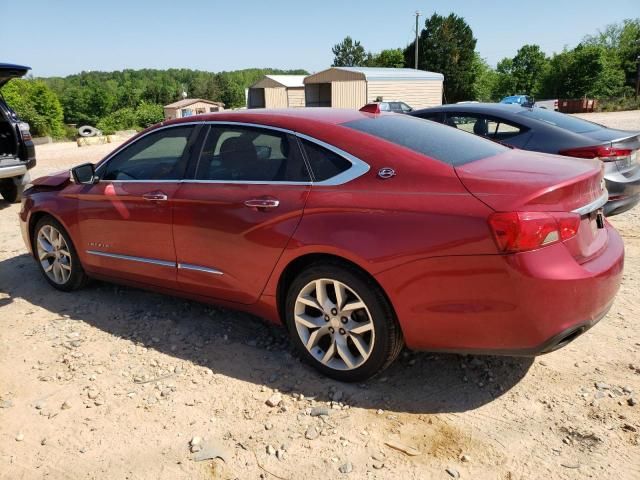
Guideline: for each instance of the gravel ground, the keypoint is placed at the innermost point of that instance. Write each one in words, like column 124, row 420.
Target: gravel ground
column 113, row 382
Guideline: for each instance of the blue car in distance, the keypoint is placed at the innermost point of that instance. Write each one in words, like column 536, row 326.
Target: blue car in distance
column 524, row 100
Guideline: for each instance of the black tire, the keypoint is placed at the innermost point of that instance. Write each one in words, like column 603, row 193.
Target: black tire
column 78, row 278
column 12, row 192
column 388, row 340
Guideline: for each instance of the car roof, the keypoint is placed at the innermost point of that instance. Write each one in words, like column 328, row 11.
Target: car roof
column 287, row 118
column 508, row 109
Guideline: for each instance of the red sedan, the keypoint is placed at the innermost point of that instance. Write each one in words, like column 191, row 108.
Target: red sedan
column 360, row 232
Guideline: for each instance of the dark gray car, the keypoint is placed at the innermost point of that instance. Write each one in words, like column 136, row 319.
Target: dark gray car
column 542, row 130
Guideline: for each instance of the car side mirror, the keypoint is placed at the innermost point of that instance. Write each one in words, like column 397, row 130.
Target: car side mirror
column 84, row 174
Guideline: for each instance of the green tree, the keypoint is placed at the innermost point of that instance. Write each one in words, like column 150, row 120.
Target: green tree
column 36, row 104
column 485, row 79
column 527, row 68
column 348, row 53
column 447, row 46
column 505, row 83
column 391, row 58
column 148, row 114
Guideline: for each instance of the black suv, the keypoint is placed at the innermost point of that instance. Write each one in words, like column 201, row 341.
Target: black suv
column 17, row 153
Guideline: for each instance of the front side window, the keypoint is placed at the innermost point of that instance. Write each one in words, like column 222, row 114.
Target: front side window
column 159, row 155
column 233, row 153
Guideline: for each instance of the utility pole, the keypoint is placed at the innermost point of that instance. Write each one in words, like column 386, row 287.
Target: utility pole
column 416, row 57
column 638, row 77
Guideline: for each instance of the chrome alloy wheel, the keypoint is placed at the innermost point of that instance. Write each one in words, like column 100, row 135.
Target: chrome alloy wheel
column 54, row 254
column 334, row 324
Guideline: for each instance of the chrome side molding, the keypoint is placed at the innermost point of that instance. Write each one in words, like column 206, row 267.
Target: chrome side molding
column 153, row 261
column 162, row 263
column 198, row 268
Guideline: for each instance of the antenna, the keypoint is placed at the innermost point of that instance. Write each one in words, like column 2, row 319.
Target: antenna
column 416, row 54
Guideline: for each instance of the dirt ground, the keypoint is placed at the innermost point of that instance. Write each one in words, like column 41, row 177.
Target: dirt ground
column 112, row 382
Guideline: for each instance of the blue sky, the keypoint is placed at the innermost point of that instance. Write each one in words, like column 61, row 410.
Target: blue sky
column 67, row 36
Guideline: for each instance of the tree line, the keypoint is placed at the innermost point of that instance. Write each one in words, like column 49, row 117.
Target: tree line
column 601, row 66
column 119, row 100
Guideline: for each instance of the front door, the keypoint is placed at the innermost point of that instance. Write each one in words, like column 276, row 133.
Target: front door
column 124, row 221
column 234, row 218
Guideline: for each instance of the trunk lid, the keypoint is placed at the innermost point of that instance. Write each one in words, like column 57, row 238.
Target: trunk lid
column 9, row 71
column 522, row 181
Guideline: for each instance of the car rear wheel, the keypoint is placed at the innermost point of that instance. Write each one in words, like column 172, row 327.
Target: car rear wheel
column 56, row 256
column 341, row 322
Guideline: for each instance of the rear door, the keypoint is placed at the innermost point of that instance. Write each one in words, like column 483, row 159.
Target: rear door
column 125, row 219
column 234, row 217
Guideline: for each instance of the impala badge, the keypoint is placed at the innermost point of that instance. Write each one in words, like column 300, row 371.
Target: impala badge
column 386, row 172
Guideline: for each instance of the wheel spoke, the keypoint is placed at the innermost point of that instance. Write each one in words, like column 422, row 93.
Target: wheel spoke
column 65, row 266
column 47, row 247
column 353, row 306
column 311, row 302
column 363, row 328
column 309, row 321
column 315, row 336
column 48, row 268
column 47, row 235
column 360, row 345
column 341, row 294
column 321, row 292
column 329, row 354
column 345, row 354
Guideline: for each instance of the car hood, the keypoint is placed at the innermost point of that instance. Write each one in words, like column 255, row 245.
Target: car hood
column 520, row 180
column 57, row 179
column 9, row 71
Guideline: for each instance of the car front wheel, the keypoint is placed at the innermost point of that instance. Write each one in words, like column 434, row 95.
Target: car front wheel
column 341, row 322
column 56, row 256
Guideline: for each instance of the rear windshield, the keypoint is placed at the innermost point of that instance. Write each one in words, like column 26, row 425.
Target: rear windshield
column 567, row 122
column 434, row 140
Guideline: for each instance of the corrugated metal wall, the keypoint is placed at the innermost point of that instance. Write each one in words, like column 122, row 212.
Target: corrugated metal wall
column 348, row 94
column 275, row 97
column 296, row 97
column 418, row 94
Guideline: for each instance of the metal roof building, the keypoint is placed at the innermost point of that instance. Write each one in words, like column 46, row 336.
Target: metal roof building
column 277, row 91
column 353, row 87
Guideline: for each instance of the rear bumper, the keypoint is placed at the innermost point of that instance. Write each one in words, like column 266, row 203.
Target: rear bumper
column 624, row 191
column 522, row 304
column 13, row 171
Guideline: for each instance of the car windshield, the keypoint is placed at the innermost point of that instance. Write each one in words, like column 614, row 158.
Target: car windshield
column 567, row 122
column 432, row 139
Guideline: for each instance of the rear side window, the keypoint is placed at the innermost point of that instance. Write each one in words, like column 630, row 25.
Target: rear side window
column 324, row 163
column 567, row 122
column 437, row 141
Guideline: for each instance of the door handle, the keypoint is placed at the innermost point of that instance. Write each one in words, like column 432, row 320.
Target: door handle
column 262, row 203
column 155, row 196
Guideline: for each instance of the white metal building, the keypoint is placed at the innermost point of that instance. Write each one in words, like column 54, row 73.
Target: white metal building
column 277, row 91
column 353, row 87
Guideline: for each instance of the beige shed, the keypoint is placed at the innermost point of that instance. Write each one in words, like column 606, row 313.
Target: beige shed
column 353, row 87
column 277, row 91
column 191, row 106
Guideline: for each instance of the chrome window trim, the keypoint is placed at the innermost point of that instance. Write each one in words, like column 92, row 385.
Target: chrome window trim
column 357, row 169
column 595, row 205
column 198, row 268
column 162, row 263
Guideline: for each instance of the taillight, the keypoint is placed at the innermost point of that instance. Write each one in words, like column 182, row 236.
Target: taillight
column 522, row 231
column 599, row 152
column 25, row 133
